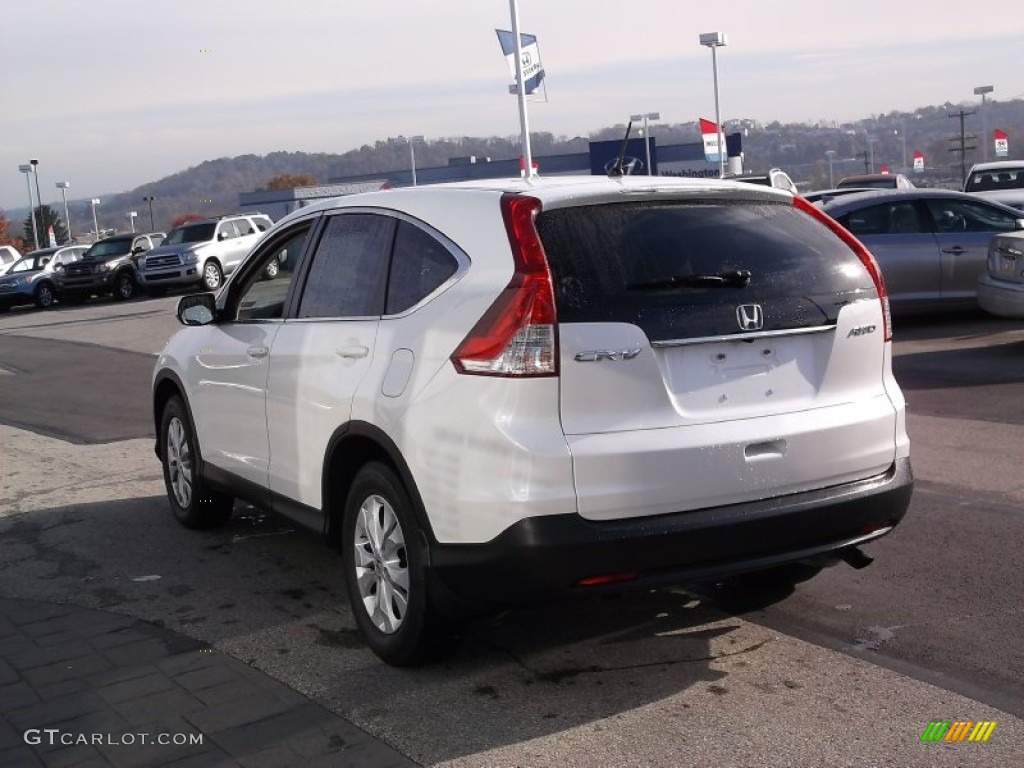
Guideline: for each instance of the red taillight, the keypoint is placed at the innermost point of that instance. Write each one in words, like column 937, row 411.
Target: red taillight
column 516, row 335
column 862, row 253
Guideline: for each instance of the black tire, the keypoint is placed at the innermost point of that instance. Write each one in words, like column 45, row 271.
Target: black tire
column 124, row 286
column 398, row 570
column 44, row 295
column 213, row 275
column 193, row 504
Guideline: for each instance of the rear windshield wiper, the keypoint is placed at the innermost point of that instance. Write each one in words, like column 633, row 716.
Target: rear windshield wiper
column 737, row 278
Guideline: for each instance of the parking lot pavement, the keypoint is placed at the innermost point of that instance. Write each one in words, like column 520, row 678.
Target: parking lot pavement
column 660, row 678
column 88, row 687
column 137, row 326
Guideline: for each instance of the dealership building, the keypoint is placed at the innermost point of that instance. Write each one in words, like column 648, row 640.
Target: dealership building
column 685, row 160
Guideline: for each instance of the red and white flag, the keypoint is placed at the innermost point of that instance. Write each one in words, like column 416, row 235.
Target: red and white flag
column 1002, row 142
column 918, row 161
column 710, row 137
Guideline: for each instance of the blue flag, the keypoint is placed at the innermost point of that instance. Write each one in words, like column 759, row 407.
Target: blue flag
column 533, row 70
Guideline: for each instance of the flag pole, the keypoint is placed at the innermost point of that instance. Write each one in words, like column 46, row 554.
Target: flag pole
column 524, row 121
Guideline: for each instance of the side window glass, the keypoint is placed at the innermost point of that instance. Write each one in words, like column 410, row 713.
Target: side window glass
column 346, row 278
column 968, row 216
column 244, row 227
column 873, row 220
column 262, row 223
column 266, row 288
column 903, row 219
column 226, row 230
column 419, row 266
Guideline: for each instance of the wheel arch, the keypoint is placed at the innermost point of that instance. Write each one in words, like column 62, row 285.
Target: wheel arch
column 351, row 447
column 165, row 386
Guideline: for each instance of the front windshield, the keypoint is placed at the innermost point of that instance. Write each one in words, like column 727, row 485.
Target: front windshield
column 106, row 250
column 190, row 233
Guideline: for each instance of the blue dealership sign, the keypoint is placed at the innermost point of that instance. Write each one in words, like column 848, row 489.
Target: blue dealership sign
column 603, row 155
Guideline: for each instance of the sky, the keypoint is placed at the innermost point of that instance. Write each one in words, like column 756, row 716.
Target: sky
column 111, row 94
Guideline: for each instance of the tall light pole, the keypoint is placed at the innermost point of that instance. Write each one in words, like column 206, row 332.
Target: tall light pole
column 63, row 186
column 149, row 199
column 96, row 227
column 27, row 169
column 411, row 141
column 830, row 153
column 983, row 91
column 39, row 197
column 903, row 135
column 714, row 41
column 647, row 136
column 131, row 217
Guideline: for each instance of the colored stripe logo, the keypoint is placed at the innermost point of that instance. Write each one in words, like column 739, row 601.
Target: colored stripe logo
column 958, row 730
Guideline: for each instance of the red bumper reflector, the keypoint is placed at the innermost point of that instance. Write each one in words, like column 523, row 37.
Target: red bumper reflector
column 608, row 578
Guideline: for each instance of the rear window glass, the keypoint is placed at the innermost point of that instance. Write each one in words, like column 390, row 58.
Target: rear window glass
column 994, row 180
column 679, row 269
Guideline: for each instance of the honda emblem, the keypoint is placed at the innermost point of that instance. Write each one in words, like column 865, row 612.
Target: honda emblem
column 750, row 317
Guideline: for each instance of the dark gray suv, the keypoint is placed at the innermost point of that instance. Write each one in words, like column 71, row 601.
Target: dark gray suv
column 108, row 267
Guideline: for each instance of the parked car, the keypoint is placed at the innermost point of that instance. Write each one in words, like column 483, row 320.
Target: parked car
column 1001, row 181
column 202, row 252
column 1001, row 286
column 820, row 195
column 33, row 278
column 773, row 178
column 931, row 244
column 107, row 267
column 8, row 255
column 877, row 181
column 506, row 390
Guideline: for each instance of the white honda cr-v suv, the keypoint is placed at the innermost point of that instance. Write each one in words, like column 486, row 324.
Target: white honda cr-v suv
column 498, row 391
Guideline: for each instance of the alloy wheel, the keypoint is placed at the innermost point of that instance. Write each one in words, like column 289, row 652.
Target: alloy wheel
column 381, row 564
column 179, row 462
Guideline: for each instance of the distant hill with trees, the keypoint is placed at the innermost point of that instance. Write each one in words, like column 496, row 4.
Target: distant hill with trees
column 213, row 187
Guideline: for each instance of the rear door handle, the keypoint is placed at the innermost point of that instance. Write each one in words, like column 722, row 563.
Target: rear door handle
column 353, row 352
column 257, row 352
column 956, row 250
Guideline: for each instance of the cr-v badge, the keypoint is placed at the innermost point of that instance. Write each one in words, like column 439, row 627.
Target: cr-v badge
column 601, row 355
column 750, row 317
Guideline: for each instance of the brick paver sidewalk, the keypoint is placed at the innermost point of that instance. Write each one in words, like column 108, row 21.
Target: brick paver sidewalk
column 87, row 688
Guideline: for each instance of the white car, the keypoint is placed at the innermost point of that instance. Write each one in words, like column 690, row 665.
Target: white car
column 507, row 390
column 8, row 255
column 1001, row 287
column 1001, row 181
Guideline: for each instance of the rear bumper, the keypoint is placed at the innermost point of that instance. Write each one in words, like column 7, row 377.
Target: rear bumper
column 549, row 555
column 1001, row 297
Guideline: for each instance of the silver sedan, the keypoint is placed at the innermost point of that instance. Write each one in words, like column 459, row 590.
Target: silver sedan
column 930, row 244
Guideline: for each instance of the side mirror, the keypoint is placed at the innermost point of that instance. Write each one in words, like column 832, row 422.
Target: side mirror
column 197, row 309
column 1018, row 224
column 222, row 235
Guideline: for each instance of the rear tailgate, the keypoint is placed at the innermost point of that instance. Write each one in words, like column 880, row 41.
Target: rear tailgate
column 681, row 392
